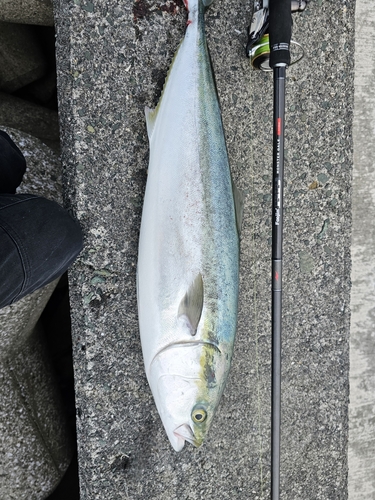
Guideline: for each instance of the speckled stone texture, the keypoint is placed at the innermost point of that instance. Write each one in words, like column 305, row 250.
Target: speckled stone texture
column 112, row 60
column 362, row 337
column 35, row 441
column 36, row 444
column 43, row 176
column 27, row 12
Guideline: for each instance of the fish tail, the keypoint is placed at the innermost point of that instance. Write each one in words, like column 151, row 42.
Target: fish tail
column 196, row 9
column 191, row 4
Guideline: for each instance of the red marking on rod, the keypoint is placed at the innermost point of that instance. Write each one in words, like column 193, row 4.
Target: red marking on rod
column 189, row 22
column 278, row 126
column 276, row 276
column 186, row 3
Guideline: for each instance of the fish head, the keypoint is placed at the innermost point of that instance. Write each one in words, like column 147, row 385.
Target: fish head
column 187, row 381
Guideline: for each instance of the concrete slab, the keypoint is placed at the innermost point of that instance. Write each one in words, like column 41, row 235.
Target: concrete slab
column 36, row 442
column 362, row 338
column 27, row 12
column 112, row 59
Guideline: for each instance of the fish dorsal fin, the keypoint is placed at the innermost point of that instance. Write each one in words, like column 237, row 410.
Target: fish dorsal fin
column 150, row 120
column 239, row 198
column 192, row 304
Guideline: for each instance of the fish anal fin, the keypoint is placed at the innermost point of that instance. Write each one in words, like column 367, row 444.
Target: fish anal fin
column 239, row 199
column 191, row 304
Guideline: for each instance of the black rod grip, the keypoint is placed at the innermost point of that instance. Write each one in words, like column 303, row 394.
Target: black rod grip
column 280, row 30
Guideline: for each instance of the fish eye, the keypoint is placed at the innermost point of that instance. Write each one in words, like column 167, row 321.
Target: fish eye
column 199, row 415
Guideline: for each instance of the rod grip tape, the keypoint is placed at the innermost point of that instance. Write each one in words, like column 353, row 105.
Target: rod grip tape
column 280, row 31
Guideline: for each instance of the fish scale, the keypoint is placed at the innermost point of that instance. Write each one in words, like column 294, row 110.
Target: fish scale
column 188, row 261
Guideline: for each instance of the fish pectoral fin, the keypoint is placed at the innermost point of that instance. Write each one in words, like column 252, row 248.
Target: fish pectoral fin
column 150, row 120
column 192, row 304
column 239, row 199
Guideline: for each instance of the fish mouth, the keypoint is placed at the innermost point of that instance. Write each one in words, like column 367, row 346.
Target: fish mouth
column 187, row 344
column 184, row 433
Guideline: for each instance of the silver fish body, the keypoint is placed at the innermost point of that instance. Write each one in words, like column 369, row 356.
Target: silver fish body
column 188, row 262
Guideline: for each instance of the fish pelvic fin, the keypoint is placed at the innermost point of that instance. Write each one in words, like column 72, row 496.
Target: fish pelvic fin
column 192, row 304
column 239, row 199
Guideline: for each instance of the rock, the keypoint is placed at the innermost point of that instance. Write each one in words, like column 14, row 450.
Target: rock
column 43, row 168
column 22, row 60
column 27, row 12
column 36, row 444
column 42, row 90
column 362, row 339
column 35, row 441
column 30, row 118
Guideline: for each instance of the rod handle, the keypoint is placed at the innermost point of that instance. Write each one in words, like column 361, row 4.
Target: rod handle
column 280, row 31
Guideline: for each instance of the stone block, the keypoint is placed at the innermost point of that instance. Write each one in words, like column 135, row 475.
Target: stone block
column 30, row 118
column 43, row 175
column 22, row 60
column 362, row 332
column 36, row 442
column 27, row 12
column 42, row 90
column 43, row 168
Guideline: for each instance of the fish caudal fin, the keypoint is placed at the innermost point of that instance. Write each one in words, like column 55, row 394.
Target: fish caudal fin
column 190, row 3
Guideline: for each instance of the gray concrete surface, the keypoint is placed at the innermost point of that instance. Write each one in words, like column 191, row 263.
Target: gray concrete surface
column 362, row 338
column 112, row 59
column 27, row 12
column 36, row 442
column 43, row 176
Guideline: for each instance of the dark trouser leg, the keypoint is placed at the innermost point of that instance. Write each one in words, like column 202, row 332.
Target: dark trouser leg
column 12, row 164
column 38, row 242
column 38, row 238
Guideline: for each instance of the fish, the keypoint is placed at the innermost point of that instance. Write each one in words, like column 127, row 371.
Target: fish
column 188, row 254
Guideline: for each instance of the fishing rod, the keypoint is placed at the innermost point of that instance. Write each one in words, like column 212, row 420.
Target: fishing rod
column 269, row 50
